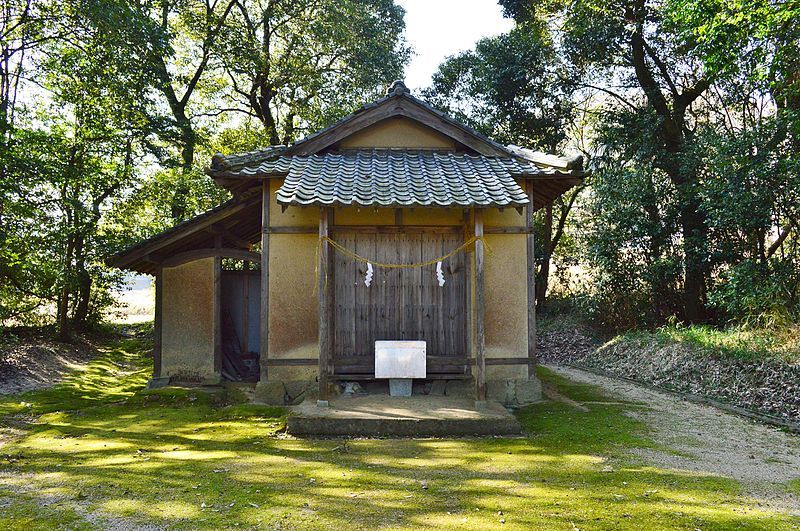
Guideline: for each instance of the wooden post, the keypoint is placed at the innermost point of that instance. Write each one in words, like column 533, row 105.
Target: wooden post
column 468, row 267
column 217, row 311
column 324, row 309
column 264, row 316
column 531, row 282
column 245, row 308
column 157, row 324
column 480, row 339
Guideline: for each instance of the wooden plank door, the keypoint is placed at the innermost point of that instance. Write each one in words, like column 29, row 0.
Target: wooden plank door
column 400, row 304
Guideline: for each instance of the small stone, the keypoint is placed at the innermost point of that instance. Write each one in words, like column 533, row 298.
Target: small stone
column 607, row 468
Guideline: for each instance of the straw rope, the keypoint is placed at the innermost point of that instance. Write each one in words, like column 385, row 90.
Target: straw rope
column 350, row 254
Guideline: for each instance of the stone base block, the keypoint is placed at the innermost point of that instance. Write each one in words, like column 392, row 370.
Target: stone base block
column 158, row 383
column 514, row 392
column 460, row 388
column 285, row 393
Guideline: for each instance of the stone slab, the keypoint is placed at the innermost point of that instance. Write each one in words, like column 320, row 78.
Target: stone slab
column 415, row 416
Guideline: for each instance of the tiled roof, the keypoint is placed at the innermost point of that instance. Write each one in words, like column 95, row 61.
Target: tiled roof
column 392, row 178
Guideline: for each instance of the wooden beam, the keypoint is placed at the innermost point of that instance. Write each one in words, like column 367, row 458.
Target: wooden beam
column 403, row 106
column 172, row 236
column 392, row 229
column 480, row 337
column 292, row 362
column 264, row 315
column 158, row 323
column 221, row 252
column 236, row 241
column 330, row 267
column 531, row 282
column 324, row 310
column 506, row 230
column 506, row 361
column 395, row 229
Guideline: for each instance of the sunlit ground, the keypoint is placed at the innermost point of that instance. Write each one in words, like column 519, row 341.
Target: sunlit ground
column 135, row 302
column 100, row 451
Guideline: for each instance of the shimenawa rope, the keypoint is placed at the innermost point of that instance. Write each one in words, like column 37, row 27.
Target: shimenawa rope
column 347, row 252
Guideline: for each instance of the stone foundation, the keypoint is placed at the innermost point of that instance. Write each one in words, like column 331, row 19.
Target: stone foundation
column 286, row 393
column 514, row 392
column 511, row 392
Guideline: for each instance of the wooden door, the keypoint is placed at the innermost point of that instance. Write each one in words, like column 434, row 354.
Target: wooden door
column 400, row 304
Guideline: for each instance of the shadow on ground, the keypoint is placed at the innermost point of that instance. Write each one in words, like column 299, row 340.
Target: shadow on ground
column 100, row 451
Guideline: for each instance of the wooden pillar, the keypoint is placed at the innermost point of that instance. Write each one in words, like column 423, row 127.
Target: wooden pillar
column 246, row 308
column 323, row 288
column 263, row 340
column 480, row 339
column 529, row 210
column 157, row 324
column 217, row 311
column 468, row 267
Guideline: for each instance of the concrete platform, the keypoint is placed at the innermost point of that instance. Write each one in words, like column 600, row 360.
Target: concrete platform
column 415, row 416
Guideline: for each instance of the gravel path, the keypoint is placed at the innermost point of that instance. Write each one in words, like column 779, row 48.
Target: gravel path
column 710, row 441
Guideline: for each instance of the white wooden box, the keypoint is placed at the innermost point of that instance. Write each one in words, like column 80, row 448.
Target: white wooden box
column 400, row 359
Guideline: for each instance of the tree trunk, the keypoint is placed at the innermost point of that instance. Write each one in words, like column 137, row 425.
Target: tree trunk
column 695, row 236
column 543, row 278
column 180, row 196
column 63, row 322
column 84, row 286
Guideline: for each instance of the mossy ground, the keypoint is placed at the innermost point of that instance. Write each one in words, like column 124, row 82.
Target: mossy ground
column 99, row 450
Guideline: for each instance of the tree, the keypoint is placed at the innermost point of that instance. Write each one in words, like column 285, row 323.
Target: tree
column 24, row 27
column 172, row 42
column 514, row 89
column 70, row 154
column 297, row 66
column 647, row 58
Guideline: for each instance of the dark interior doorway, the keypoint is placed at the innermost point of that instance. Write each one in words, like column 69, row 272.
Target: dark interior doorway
column 241, row 320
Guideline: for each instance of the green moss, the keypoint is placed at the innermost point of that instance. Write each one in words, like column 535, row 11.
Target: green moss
column 794, row 486
column 26, row 512
column 184, row 458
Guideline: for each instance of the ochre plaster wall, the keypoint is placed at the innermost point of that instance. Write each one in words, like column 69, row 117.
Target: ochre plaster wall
column 506, row 304
column 292, row 216
column 293, row 304
column 187, row 322
column 397, row 132
column 363, row 216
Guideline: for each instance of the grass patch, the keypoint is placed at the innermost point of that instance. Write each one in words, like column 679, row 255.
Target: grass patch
column 114, row 454
column 794, row 486
column 735, row 342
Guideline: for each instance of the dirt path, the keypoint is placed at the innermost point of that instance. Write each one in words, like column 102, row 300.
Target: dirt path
column 710, row 441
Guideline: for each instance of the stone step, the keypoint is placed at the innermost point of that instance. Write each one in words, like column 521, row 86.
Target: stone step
column 386, row 416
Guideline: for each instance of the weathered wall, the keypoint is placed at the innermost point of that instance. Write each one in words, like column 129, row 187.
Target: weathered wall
column 187, row 322
column 293, row 303
column 292, row 216
column 397, row 132
column 506, row 304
